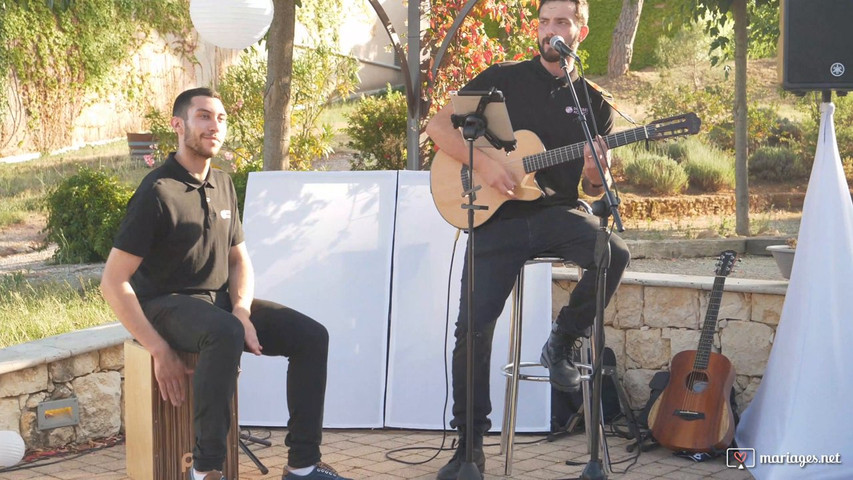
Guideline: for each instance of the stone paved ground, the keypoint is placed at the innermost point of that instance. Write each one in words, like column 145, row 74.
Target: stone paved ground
column 361, row 454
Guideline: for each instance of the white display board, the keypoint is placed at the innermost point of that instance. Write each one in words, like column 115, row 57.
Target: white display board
column 321, row 243
column 423, row 246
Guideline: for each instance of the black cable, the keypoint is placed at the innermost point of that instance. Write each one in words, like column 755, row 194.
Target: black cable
column 440, row 448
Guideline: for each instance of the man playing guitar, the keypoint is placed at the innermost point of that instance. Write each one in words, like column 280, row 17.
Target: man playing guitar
column 537, row 99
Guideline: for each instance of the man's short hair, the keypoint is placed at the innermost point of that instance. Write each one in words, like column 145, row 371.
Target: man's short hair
column 185, row 99
column 582, row 8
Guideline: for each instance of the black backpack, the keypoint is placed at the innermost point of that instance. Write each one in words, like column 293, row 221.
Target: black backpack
column 566, row 407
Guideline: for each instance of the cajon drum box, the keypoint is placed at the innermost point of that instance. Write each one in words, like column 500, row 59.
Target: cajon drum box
column 160, row 437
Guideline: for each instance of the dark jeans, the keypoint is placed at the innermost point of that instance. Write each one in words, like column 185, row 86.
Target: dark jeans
column 203, row 323
column 501, row 247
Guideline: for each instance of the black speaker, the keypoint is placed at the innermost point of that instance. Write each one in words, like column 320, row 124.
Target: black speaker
column 816, row 45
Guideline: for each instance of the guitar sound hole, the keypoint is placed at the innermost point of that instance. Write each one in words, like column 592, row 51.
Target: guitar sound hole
column 697, row 382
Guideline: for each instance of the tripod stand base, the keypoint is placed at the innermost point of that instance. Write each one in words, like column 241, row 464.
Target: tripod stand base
column 469, row 471
column 264, row 470
column 594, row 470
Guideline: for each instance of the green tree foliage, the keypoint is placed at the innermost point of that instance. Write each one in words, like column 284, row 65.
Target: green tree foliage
column 319, row 76
column 61, row 55
column 84, row 212
column 762, row 30
column 377, row 129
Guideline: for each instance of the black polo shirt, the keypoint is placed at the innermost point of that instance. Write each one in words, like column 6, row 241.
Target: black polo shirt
column 183, row 229
column 541, row 103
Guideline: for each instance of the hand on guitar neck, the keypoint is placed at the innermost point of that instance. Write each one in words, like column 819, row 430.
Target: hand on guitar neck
column 594, row 184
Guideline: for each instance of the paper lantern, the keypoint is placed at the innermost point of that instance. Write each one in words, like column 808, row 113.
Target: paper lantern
column 11, row 448
column 231, row 23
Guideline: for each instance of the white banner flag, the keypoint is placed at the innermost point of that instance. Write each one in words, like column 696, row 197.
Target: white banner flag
column 800, row 423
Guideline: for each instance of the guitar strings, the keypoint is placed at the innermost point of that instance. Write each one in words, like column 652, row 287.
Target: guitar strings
column 691, row 401
column 555, row 156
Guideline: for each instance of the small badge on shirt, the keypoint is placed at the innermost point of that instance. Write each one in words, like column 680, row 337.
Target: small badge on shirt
column 571, row 110
column 225, row 214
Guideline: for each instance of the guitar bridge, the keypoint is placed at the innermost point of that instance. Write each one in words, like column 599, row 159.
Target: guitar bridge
column 689, row 415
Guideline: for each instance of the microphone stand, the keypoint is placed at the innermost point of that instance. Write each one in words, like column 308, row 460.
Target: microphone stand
column 602, row 208
column 474, row 125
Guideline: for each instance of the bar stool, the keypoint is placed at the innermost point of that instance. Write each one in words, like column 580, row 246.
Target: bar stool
column 514, row 374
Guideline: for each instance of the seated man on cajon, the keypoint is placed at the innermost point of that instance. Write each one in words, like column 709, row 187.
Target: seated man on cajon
column 179, row 278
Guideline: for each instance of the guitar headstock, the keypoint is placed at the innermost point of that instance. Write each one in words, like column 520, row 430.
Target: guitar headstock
column 677, row 126
column 726, row 263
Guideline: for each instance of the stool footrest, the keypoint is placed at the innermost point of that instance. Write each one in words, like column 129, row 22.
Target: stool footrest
column 508, row 369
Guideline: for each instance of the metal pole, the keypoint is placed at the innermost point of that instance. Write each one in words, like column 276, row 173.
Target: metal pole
column 414, row 60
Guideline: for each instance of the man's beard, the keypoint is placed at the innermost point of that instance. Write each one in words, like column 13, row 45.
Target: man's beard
column 550, row 55
column 195, row 144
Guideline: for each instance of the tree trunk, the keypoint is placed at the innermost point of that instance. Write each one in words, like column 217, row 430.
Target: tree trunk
column 277, row 105
column 740, row 113
column 622, row 47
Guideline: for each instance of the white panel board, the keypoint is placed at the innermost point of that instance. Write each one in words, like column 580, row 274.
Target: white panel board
column 416, row 373
column 321, row 243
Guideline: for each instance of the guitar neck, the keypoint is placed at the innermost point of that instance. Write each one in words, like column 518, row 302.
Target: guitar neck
column 571, row 152
column 706, row 340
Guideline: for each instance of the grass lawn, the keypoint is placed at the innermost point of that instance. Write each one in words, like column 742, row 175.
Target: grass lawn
column 32, row 310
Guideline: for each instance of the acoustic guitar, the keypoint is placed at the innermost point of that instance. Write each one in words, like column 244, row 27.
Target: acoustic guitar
column 694, row 413
column 449, row 179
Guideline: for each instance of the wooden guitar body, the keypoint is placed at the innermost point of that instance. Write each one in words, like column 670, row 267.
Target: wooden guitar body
column 449, row 180
column 694, row 413
column 447, row 176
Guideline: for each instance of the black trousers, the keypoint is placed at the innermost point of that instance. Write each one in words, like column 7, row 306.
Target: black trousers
column 501, row 247
column 203, row 324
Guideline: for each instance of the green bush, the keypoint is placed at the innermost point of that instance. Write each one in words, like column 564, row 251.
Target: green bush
column 84, row 212
column 377, row 128
column 656, row 172
column 775, row 164
column 710, row 171
column 707, row 167
column 679, row 149
column 166, row 137
column 713, row 104
column 765, row 128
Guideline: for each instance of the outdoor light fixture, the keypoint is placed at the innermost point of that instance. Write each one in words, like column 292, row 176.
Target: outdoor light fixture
column 231, row 23
column 11, row 448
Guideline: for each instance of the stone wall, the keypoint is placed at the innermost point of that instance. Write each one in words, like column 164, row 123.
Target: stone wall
column 651, row 318
column 95, row 378
column 647, row 325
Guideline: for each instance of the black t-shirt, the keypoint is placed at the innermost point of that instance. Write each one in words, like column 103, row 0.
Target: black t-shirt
column 183, row 229
column 541, row 103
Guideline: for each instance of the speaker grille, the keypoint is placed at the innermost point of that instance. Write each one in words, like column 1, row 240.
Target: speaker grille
column 816, row 44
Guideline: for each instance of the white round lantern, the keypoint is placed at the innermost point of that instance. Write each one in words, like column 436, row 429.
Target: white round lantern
column 231, row 23
column 11, row 448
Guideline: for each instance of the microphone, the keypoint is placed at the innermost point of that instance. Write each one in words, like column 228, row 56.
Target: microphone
column 558, row 44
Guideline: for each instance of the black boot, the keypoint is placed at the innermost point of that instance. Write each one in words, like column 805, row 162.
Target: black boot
column 557, row 358
column 451, row 470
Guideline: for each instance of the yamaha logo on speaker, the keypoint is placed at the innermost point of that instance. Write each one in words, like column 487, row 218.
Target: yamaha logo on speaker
column 837, row 69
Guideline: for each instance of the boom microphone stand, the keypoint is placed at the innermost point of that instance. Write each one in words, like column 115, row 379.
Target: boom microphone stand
column 603, row 208
column 474, row 125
